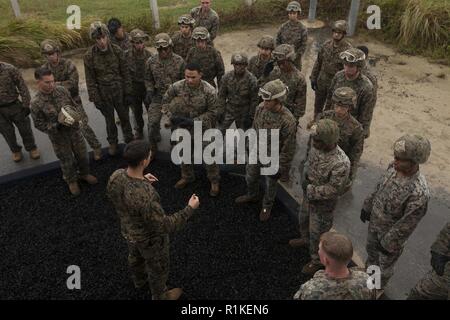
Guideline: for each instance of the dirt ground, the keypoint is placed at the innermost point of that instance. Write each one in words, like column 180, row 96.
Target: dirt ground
column 413, row 97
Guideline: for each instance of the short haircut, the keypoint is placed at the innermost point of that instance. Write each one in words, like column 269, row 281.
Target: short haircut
column 135, row 152
column 337, row 246
column 193, row 66
column 364, row 49
column 40, row 72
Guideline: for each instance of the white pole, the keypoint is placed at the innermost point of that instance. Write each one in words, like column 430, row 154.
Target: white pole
column 249, row 2
column 155, row 14
column 353, row 17
column 16, row 8
column 312, row 10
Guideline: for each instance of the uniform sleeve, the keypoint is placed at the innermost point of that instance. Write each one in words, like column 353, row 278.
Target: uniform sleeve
column 222, row 95
column 71, row 83
column 287, row 145
column 254, row 99
column 328, row 103
column 317, row 66
column 148, row 78
column 189, row 55
column 367, row 106
column 331, row 190
column 278, row 39
column 368, row 202
column 220, row 68
column 168, row 96
column 125, row 73
column 300, row 99
column 300, row 45
column 22, row 87
column 215, row 28
column 356, row 148
column 182, row 69
column 91, row 83
column 415, row 208
column 39, row 119
column 208, row 117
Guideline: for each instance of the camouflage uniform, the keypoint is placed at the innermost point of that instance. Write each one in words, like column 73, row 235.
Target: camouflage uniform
column 182, row 45
column 396, row 207
column 325, row 68
column 108, row 82
column 208, row 20
column 159, row 75
column 256, row 65
column 372, row 75
column 146, row 228
column 198, row 104
column 322, row 287
column 295, row 34
column 434, row 286
column 68, row 142
column 12, row 110
column 124, row 44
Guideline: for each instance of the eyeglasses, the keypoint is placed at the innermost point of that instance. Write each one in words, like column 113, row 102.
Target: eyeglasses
column 349, row 57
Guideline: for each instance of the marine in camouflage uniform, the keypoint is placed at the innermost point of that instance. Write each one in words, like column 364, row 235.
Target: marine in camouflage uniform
column 351, row 135
column 15, row 112
column 66, row 74
column 146, row 228
column 137, row 58
column 328, row 63
column 66, row 136
column 284, row 55
column 324, row 178
column 397, row 205
column 207, row 18
column 435, row 285
column 185, row 102
column 182, row 40
column 109, row 84
column 161, row 70
column 257, row 63
column 238, row 94
column 293, row 32
column 208, row 57
column 363, row 110
column 271, row 114
column 118, row 35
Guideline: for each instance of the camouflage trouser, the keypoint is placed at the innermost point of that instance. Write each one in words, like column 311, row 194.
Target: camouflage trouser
column 316, row 218
column 252, row 176
column 321, row 95
column 231, row 115
column 432, row 286
column 113, row 99
column 149, row 262
column 139, row 93
column 16, row 115
column 70, row 149
column 212, row 172
column 86, row 129
column 154, row 124
column 375, row 257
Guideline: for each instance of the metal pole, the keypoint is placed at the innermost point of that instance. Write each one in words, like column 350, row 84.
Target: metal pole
column 353, row 17
column 312, row 10
column 16, row 8
column 155, row 14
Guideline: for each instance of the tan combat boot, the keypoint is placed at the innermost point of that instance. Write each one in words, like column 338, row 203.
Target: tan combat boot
column 112, row 149
column 90, row 179
column 34, row 154
column 264, row 214
column 98, row 154
column 245, row 199
column 215, row 189
column 17, row 156
column 299, row 243
column 74, row 188
column 182, row 183
column 174, row 294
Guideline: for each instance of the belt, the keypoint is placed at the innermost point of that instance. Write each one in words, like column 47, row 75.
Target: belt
column 9, row 104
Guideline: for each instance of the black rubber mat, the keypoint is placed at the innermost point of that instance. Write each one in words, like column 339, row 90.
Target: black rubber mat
column 224, row 252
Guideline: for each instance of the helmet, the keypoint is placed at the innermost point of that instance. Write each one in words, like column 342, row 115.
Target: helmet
column 97, row 29
column 69, row 116
column 200, row 33
column 186, row 19
column 284, row 52
column 340, row 26
column 113, row 25
column 344, row 96
column 413, row 147
column 239, row 58
column 138, row 35
column 353, row 56
column 163, row 40
column 294, row 6
column 49, row 46
column 267, row 42
column 327, row 131
column 272, row 90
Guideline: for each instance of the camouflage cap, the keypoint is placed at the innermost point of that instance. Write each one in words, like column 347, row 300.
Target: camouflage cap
column 272, row 90
column 239, row 58
column 326, row 130
column 163, row 40
column 186, row 19
column 294, row 6
column 353, row 56
column 340, row 25
column 97, row 29
column 138, row 35
column 344, row 96
column 284, row 52
column 267, row 42
column 49, row 46
column 200, row 33
column 412, row 147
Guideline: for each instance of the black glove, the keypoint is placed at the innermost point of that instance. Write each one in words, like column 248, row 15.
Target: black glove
column 365, row 216
column 268, row 68
column 438, row 262
column 129, row 100
column 314, row 85
column 148, row 98
column 182, row 122
column 248, row 123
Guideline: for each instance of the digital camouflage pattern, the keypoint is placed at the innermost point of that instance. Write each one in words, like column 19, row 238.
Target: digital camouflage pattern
column 68, row 142
column 370, row 73
column 323, row 287
column 256, row 65
column 396, row 207
column 210, row 61
column 124, row 44
column 146, row 227
column 412, row 147
column 209, row 20
column 182, row 44
column 12, row 85
column 295, row 34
